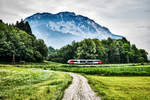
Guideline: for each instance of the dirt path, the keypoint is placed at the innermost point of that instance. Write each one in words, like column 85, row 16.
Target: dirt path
column 79, row 89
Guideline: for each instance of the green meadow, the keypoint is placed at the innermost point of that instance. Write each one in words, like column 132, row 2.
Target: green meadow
column 32, row 84
column 36, row 81
column 121, row 88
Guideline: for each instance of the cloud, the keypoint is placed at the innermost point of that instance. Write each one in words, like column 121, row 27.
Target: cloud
column 129, row 18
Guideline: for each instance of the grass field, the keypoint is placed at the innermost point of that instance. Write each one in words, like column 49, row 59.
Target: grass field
column 110, row 81
column 121, row 88
column 31, row 84
column 103, row 69
column 122, row 70
column 31, row 64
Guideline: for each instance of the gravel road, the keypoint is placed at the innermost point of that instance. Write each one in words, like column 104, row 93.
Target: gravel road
column 79, row 89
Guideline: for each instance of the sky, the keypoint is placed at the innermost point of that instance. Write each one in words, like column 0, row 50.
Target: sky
column 129, row 18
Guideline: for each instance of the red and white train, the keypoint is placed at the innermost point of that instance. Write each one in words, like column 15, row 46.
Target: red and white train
column 84, row 61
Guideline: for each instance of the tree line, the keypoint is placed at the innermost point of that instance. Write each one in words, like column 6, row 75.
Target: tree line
column 109, row 51
column 18, row 43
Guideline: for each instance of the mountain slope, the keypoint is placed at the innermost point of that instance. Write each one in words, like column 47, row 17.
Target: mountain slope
column 62, row 28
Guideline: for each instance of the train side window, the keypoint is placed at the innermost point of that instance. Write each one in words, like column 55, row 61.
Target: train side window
column 89, row 61
column 82, row 61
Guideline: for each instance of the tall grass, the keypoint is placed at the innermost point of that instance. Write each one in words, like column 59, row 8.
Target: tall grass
column 107, row 71
column 29, row 84
column 120, row 88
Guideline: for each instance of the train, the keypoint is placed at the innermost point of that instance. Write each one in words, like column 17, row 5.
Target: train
column 84, row 61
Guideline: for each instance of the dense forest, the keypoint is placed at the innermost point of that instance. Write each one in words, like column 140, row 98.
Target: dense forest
column 110, row 51
column 17, row 43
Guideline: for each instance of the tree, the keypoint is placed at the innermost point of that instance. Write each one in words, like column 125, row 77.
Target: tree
column 126, row 50
column 110, row 51
column 41, row 48
column 141, row 60
column 143, row 54
column 50, row 50
column 1, row 21
column 16, row 45
column 100, row 50
column 134, row 54
column 24, row 26
column 86, row 50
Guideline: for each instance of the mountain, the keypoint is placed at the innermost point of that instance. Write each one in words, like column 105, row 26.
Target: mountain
column 62, row 28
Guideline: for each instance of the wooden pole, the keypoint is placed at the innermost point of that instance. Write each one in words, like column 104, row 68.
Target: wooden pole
column 13, row 60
